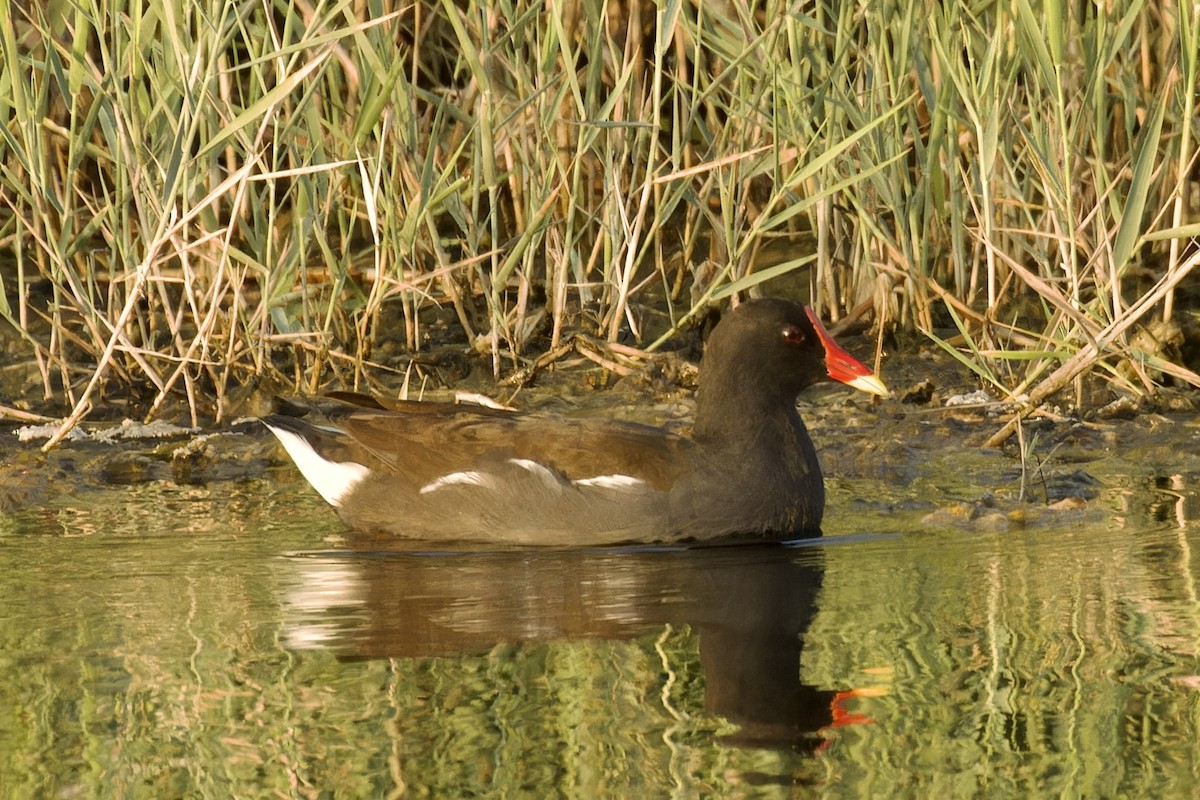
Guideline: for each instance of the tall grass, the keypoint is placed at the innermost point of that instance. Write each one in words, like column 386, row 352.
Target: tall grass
column 198, row 194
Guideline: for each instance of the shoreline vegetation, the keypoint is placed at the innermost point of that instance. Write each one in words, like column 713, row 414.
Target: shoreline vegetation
column 194, row 197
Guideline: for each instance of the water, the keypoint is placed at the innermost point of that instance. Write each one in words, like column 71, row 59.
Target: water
column 159, row 640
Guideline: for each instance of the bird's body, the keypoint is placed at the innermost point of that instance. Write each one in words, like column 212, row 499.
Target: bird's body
column 456, row 473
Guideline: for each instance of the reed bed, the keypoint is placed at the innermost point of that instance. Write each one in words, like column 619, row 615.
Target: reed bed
column 194, row 196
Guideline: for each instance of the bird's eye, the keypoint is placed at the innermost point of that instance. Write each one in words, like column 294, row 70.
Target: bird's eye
column 793, row 335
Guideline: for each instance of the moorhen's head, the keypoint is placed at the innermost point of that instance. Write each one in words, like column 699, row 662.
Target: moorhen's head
column 770, row 350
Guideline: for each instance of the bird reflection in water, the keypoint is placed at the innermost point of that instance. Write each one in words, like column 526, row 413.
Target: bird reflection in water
column 749, row 605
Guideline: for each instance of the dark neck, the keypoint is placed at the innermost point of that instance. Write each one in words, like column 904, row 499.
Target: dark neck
column 729, row 412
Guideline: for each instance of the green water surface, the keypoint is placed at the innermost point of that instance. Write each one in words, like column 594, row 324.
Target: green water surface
column 220, row 641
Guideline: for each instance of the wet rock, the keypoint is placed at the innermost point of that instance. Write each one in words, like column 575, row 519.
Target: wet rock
column 990, row 514
column 1178, row 402
column 919, row 393
column 977, row 397
column 1122, row 408
column 127, row 469
column 1073, row 485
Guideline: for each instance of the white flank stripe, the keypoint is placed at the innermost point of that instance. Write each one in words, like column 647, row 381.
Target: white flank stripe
column 612, row 482
column 332, row 479
column 469, row 478
column 547, row 475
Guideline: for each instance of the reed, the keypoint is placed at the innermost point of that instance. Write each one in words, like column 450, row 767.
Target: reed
column 196, row 196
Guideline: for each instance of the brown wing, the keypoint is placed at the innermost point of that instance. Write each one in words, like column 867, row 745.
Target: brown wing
column 429, row 440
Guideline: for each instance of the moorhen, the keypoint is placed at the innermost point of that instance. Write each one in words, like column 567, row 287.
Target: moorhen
column 456, row 473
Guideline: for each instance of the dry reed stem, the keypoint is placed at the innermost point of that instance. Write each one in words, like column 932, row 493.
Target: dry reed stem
column 1095, row 350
